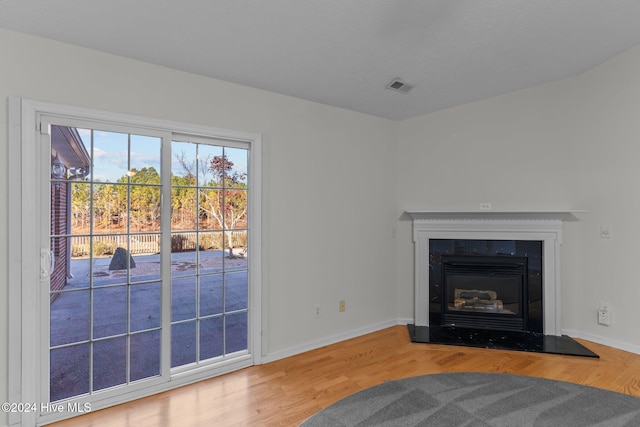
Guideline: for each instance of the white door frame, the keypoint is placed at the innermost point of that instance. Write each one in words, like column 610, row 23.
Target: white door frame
column 28, row 267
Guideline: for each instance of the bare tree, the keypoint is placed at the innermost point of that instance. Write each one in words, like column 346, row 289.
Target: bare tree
column 222, row 193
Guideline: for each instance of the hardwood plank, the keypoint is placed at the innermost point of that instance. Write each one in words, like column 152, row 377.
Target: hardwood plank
column 286, row 392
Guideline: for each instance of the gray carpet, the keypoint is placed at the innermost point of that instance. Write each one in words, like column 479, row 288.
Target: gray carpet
column 480, row 400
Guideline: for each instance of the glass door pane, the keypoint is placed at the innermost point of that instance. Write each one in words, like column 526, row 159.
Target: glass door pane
column 209, row 259
column 105, row 287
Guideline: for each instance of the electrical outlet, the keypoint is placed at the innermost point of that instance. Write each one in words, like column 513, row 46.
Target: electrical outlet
column 341, row 306
column 604, row 314
column 316, row 310
column 605, row 232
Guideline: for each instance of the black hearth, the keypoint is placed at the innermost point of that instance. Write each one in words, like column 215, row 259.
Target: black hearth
column 498, row 340
column 488, row 293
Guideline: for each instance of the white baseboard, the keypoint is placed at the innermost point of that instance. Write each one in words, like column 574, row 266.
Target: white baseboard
column 405, row 321
column 312, row 345
column 620, row 345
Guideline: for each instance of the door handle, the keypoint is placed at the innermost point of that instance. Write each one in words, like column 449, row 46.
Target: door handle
column 45, row 264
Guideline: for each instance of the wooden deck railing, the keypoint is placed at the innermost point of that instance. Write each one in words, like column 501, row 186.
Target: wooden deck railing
column 150, row 243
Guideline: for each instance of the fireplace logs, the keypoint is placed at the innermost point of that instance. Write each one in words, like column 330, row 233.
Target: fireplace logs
column 486, row 292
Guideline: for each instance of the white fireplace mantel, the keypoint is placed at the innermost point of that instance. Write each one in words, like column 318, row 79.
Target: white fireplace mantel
column 561, row 215
column 545, row 226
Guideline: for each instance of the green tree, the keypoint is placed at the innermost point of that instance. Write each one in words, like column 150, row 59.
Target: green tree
column 109, row 204
column 81, row 206
column 144, row 196
column 183, row 202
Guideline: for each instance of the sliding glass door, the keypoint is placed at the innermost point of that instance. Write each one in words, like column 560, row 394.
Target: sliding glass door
column 209, row 251
column 148, row 260
column 106, row 283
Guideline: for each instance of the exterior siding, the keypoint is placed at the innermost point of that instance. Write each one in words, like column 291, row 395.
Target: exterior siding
column 59, row 250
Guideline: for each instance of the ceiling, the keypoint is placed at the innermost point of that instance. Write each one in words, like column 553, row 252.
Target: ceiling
column 344, row 52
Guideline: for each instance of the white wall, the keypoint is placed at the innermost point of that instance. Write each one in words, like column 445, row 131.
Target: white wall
column 329, row 180
column 338, row 182
column 570, row 144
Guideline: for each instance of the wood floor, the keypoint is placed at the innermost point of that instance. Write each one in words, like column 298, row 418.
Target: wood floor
column 286, row 392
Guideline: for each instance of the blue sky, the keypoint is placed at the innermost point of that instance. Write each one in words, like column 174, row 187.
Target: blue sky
column 110, row 160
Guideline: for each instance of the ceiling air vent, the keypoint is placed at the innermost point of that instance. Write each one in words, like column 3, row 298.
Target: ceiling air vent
column 398, row 85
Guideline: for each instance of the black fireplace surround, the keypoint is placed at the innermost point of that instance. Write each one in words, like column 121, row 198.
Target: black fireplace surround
column 486, row 284
column 488, row 293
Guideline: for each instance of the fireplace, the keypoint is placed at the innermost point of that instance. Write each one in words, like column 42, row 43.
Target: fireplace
column 486, row 284
column 485, row 292
column 490, row 279
column 534, row 235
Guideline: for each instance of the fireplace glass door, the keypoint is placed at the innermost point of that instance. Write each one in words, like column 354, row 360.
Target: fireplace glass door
column 486, row 292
